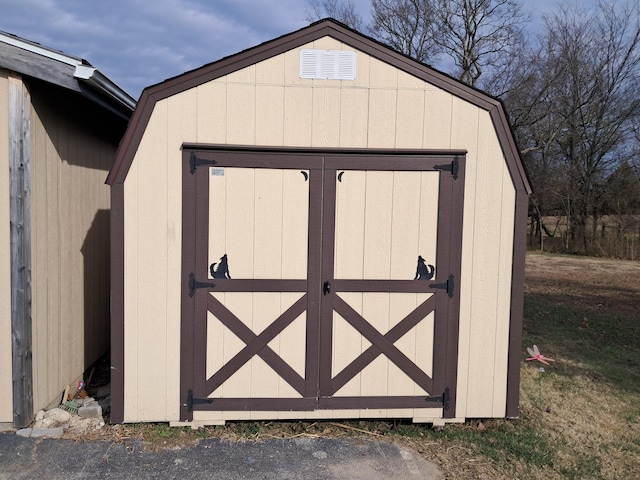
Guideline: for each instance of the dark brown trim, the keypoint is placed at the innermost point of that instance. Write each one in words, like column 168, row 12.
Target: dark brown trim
column 294, row 40
column 259, row 404
column 371, row 353
column 200, row 270
column 187, row 303
column 252, row 285
column 195, row 306
column 400, row 161
column 327, row 274
column 314, row 282
column 246, row 158
column 363, row 403
column 517, row 304
column 131, row 139
column 117, row 304
column 454, row 244
column 384, row 344
column 510, row 149
column 392, row 286
column 256, row 344
column 321, row 306
column 327, row 152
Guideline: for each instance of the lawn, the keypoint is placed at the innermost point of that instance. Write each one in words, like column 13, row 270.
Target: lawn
column 579, row 418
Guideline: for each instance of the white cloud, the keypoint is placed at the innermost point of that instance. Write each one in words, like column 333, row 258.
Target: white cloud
column 138, row 43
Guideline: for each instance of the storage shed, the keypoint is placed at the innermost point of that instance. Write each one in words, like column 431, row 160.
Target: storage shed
column 317, row 227
column 61, row 121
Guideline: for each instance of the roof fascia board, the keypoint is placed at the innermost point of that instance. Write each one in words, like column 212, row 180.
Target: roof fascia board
column 510, row 149
column 39, row 49
column 84, row 72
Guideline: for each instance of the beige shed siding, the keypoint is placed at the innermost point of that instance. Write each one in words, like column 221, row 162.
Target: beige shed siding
column 268, row 104
column 485, row 301
column 69, row 246
column 6, row 388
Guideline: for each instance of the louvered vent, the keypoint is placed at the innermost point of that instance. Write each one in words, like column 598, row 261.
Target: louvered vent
column 328, row 64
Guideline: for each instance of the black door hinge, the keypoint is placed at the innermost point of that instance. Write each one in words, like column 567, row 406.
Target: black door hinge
column 449, row 286
column 194, row 284
column 452, row 167
column 191, row 400
column 444, row 399
column 195, row 162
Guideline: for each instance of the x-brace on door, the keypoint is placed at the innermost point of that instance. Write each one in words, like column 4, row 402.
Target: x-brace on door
column 315, row 280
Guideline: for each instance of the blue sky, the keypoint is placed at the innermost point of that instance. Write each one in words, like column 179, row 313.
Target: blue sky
column 138, row 43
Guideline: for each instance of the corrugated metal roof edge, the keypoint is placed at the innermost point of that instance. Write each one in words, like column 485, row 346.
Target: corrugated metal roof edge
column 84, row 71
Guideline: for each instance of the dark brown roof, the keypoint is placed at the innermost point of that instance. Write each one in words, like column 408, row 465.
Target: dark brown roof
column 342, row 33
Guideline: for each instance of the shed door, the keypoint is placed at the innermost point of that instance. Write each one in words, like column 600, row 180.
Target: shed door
column 319, row 281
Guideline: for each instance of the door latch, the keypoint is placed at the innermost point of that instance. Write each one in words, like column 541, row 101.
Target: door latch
column 326, row 288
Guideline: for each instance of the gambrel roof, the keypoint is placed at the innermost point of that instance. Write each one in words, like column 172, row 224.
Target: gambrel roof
column 322, row 28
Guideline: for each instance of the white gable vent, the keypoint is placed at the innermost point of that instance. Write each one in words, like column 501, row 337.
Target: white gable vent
column 328, row 64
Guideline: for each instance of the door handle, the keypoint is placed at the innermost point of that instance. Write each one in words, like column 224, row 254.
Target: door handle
column 326, row 288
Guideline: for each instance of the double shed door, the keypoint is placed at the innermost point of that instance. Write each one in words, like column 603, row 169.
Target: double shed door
column 319, row 281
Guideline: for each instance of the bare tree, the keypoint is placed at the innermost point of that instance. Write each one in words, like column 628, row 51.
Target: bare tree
column 479, row 34
column 598, row 58
column 409, row 26
column 574, row 117
column 342, row 10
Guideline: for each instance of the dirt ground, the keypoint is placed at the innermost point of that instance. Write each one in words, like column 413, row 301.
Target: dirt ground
column 594, row 283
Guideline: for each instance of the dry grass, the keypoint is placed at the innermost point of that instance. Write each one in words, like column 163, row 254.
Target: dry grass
column 580, row 418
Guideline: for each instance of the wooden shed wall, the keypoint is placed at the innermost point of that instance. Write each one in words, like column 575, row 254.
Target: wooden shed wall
column 70, row 240
column 6, row 398
column 268, row 104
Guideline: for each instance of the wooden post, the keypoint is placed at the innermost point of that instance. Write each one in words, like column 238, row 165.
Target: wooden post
column 20, row 219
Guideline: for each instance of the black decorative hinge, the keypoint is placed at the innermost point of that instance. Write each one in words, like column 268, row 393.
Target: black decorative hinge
column 444, row 399
column 194, row 284
column 449, row 285
column 195, row 162
column 452, row 167
column 191, row 400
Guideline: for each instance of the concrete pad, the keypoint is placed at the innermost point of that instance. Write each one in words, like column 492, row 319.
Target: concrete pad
column 90, row 411
column 273, row 459
column 47, row 432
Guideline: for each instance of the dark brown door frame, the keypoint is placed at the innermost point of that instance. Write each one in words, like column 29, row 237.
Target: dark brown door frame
column 318, row 386
column 196, row 301
column 449, row 248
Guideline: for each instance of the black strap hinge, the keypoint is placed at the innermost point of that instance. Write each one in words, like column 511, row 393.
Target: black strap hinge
column 444, row 399
column 194, row 284
column 191, row 400
column 452, row 167
column 449, row 286
column 195, row 162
